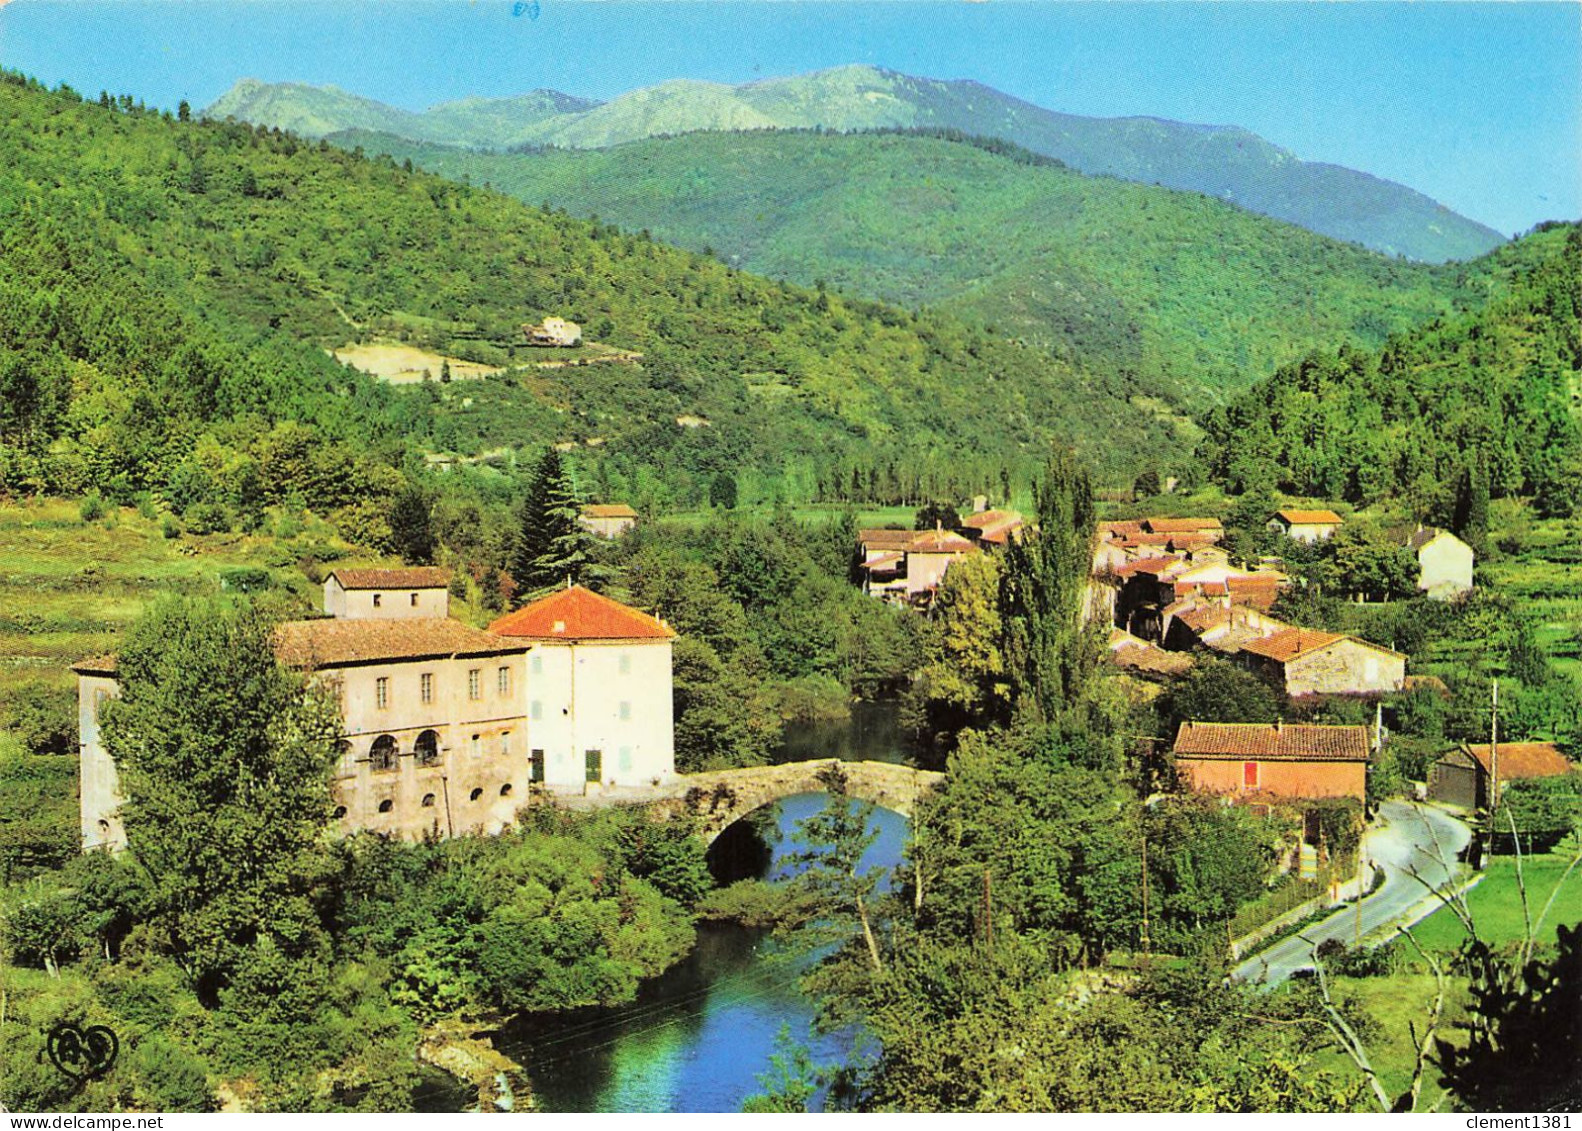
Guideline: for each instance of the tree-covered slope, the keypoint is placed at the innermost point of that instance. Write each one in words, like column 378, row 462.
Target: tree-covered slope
column 165, row 281
column 1175, row 286
column 1222, row 161
column 1487, row 403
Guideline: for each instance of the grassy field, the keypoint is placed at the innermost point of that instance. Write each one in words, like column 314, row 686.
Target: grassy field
column 1396, row 1004
column 1496, row 903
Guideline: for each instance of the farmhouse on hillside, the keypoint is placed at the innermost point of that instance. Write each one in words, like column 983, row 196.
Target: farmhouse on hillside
column 445, row 728
column 608, row 520
column 1444, row 563
column 1309, row 662
column 1461, row 777
column 1262, row 761
column 553, row 332
column 1306, row 526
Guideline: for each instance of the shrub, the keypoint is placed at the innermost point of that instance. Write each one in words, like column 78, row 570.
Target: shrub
column 92, row 508
column 208, row 518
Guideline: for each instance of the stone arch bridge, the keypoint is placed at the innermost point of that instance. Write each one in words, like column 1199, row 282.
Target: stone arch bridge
column 720, row 798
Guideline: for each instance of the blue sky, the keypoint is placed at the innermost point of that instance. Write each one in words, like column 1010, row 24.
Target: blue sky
column 1478, row 105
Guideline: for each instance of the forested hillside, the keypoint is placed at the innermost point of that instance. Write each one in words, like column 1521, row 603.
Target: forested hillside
column 1181, row 288
column 163, row 283
column 1488, row 404
column 1226, row 162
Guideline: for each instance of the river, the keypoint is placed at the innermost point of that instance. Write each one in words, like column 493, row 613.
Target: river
column 697, row 1037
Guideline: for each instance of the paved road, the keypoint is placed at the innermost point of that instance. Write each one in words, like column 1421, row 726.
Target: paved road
column 1404, row 836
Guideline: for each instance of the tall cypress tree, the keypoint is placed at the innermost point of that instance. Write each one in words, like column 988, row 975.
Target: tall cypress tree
column 1049, row 654
column 551, row 547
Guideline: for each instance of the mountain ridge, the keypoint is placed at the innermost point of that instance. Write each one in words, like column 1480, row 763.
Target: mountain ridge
column 1225, row 161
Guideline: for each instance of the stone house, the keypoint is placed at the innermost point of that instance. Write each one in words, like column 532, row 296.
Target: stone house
column 1444, row 563
column 1308, row 662
column 600, row 715
column 608, row 520
column 992, row 527
column 1306, row 526
column 1461, row 777
column 421, row 591
column 908, row 565
column 1257, row 761
column 553, row 331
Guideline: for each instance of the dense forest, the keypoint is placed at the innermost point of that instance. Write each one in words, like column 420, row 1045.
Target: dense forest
column 1485, row 404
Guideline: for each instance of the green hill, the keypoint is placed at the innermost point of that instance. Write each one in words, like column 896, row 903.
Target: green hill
column 169, row 290
column 1493, row 395
column 1222, row 161
column 1187, row 291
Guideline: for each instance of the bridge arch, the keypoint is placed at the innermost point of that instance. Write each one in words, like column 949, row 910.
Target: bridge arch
column 718, row 799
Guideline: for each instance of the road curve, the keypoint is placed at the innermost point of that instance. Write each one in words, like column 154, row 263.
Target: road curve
column 1405, row 837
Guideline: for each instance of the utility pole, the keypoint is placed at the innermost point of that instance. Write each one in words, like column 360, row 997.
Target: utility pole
column 1494, row 768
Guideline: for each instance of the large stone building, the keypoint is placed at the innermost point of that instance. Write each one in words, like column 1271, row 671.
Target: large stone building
column 1259, row 761
column 1309, row 662
column 446, row 729
column 598, row 691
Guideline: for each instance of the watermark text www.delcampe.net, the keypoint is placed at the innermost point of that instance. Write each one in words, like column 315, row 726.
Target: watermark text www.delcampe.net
column 88, row 1122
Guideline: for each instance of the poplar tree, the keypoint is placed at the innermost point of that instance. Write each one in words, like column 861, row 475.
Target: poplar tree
column 552, row 547
column 1049, row 655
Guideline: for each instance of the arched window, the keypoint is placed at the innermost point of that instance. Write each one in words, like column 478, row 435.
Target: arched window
column 104, row 827
column 386, row 805
column 475, row 794
column 428, row 801
column 427, row 747
column 340, row 812
column 505, row 790
column 383, row 753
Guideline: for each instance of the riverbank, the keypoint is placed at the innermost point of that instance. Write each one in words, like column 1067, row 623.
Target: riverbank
column 465, row 1050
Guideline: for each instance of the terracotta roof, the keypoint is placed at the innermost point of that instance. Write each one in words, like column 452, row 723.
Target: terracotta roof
column 1001, row 536
column 1524, row 759
column 1290, row 643
column 1311, row 518
column 886, row 539
column 884, row 561
column 1256, row 592
column 580, row 614
column 939, row 542
column 983, row 520
column 1279, row 742
column 95, row 665
column 413, row 577
column 1182, row 525
column 1147, row 565
column 608, row 510
column 338, row 642
column 1151, row 659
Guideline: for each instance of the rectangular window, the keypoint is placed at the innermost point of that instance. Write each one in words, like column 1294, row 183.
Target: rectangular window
column 382, row 692
column 626, row 664
column 426, row 686
column 477, row 745
column 502, row 681
column 474, row 678
column 536, row 711
column 1249, row 775
column 377, row 597
column 626, row 710
column 538, row 664
column 414, row 600
column 538, row 765
column 595, row 760
column 623, row 759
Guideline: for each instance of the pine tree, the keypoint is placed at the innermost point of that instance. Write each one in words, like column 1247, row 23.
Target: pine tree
column 552, row 547
column 1472, row 505
column 412, row 527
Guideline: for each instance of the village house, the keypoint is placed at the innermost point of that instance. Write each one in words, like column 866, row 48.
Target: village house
column 1259, row 761
column 992, row 527
column 1306, row 526
column 1217, row 624
column 906, row 566
column 1461, row 777
column 1144, row 659
column 421, row 591
column 599, row 706
column 1307, row 662
column 608, row 520
column 553, row 332
column 445, row 728
column 1444, row 563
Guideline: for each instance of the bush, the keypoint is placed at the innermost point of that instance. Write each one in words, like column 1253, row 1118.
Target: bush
column 208, row 518
column 43, row 718
column 169, row 527
column 92, row 508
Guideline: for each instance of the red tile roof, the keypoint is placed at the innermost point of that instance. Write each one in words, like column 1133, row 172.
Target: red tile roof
column 886, row 539
column 1147, row 565
column 1291, row 643
column 338, row 642
column 1255, row 592
column 95, row 665
column 1182, row 525
column 1524, row 760
column 1280, row 742
column 886, row 561
column 939, row 542
column 413, row 577
column 608, row 510
column 1311, row 518
column 580, row 614
column 983, row 520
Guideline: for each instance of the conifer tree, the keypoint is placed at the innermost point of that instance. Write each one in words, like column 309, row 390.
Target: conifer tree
column 552, row 547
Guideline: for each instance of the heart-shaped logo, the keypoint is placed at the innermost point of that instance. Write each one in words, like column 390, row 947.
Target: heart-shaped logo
column 82, row 1054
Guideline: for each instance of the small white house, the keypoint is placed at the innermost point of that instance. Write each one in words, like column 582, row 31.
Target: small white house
column 388, row 594
column 1444, row 563
column 1306, row 526
column 608, row 520
column 554, row 332
column 598, row 690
